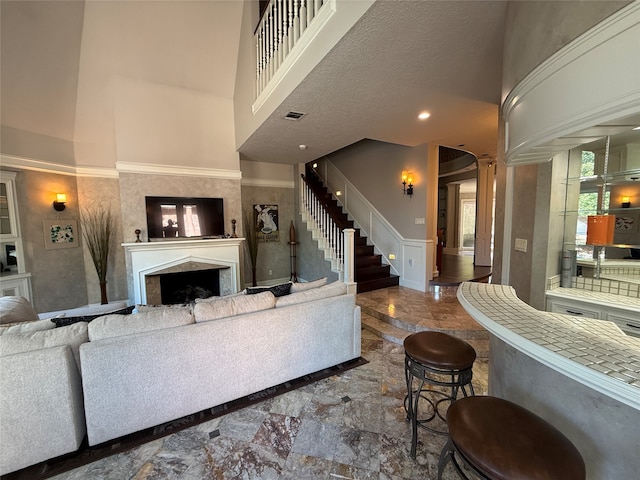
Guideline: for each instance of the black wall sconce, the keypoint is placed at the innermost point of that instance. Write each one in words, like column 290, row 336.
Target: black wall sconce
column 407, row 183
column 59, row 202
column 626, row 202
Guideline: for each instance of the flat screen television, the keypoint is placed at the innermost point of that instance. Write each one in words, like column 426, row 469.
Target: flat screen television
column 184, row 217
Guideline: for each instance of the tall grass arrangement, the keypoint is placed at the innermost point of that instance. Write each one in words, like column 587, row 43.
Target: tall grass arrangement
column 98, row 226
column 251, row 244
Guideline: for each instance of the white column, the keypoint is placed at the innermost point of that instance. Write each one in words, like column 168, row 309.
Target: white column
column 484, row 212
column 453, row 201
column 349, row 262
column 431, row 185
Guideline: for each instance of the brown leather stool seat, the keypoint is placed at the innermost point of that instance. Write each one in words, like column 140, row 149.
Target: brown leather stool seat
column 500, row 440
column 437, row 360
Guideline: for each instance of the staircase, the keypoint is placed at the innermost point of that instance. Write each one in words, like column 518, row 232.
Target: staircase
column 369, row 271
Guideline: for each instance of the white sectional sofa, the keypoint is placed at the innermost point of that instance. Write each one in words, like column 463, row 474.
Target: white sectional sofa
column 145, row 369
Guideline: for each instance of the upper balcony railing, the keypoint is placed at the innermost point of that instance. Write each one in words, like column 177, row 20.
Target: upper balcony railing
column 283, row 24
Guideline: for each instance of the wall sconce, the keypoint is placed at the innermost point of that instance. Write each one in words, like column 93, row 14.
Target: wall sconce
column 626, row 202
column 407, row 183
column 58, row 203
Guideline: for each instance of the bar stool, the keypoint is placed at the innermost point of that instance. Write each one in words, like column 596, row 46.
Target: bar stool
column 437, row 360
column 499, row 440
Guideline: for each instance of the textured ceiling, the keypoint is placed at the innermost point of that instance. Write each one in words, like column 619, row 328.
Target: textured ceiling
column 401, row 58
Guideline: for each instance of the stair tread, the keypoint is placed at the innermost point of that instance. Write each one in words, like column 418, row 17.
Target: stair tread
column 383, row 329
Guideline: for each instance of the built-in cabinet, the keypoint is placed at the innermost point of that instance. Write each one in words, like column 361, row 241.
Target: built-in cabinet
column 14, row 280
column 627, row 319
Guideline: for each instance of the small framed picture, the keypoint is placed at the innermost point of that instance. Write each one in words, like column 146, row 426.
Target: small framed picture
column 60, row 234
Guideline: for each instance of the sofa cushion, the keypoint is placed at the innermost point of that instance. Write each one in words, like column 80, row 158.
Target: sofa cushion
column 302, row 286
column 27, row 327
column 277, row 290
column 72, row 335
column 109, row 326
column 330, row 290
column 233, row 305
column 15, row 310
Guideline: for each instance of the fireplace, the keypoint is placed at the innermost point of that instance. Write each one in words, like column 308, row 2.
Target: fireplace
column 184, row 284
column 149, row 262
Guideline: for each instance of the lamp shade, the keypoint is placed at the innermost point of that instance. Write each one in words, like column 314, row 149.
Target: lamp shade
column 600, row 229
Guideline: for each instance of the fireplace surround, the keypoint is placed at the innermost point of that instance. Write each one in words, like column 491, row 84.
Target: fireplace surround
column 148, row 261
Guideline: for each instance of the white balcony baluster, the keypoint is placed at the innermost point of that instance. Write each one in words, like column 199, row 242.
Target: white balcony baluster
column 281, row 27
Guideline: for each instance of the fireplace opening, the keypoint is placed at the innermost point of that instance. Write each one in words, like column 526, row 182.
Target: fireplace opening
column 185, row 287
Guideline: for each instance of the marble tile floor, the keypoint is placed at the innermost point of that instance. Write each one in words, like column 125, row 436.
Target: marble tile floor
column 349, row 426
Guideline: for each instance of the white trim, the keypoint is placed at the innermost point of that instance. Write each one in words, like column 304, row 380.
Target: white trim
column 260, row 182
column 32, row 164
column 155, row 169
column 535, row 112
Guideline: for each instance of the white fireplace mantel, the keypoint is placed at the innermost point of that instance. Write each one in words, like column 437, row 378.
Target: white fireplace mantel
column 146, row 258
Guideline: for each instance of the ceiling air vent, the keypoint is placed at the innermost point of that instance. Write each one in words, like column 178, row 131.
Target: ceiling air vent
column 294, row 116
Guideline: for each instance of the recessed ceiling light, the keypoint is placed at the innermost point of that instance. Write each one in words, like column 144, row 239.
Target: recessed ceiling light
column 637, row 128
column 424, row 115
column 302, row 147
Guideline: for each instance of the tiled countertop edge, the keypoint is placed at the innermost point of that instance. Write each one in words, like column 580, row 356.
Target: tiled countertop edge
column 617, row 390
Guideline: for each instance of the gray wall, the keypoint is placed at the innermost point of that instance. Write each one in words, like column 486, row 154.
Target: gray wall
column 57, row 276
column 274, row 256
column 375, row 169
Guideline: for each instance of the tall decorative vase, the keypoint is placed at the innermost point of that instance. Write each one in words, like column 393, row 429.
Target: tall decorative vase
column 292, row 232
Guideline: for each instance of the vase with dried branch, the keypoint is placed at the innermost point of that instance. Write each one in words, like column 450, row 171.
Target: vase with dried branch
column 98, row 226
column 251, row 244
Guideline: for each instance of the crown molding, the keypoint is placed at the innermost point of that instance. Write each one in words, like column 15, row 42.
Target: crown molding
column 155, row 169
column 261, row 182
column 23, row 163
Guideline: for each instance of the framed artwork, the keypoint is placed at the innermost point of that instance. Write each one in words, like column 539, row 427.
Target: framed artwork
column 266, row 221
column 60, row 234
column 626, row 223
column 626, row 229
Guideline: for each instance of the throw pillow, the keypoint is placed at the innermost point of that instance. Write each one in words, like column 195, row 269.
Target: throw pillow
column 65, row 321
column 330, row 290
column 72, row 335
column 234, row 305
column 15, row 310
column 27, row 327
column 277, row 290
column 109, row 326
column 302, row 286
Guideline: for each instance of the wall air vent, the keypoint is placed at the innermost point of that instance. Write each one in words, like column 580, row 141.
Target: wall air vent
column 294, row 116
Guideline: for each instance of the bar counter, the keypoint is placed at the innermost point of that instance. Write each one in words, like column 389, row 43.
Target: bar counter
column 581, row 375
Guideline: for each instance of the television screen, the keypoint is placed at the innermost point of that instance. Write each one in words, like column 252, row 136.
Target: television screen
column 184, row 217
